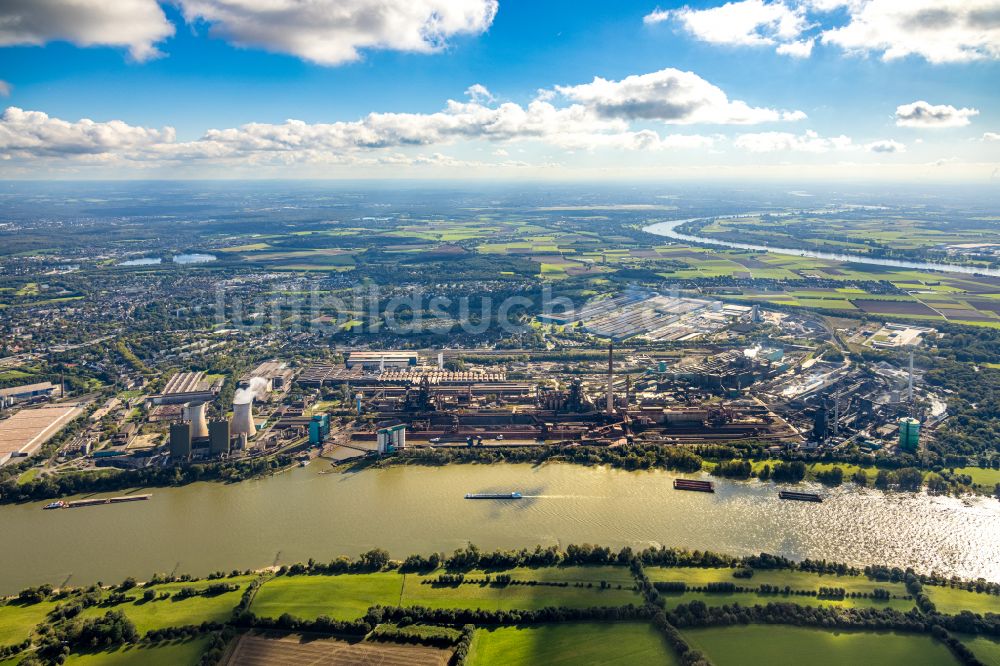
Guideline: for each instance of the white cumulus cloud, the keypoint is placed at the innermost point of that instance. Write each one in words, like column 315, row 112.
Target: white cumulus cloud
column 940, row 31
column 923, row 114
column 746, row 22
column 137, row 25
column 33, row 133
column 332, row 32
column 672, row 96
column 991, row 136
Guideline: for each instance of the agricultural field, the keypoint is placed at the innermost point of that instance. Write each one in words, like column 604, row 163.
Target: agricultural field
column 626, row 643
column 294, row 650
column 792, row 646
column 168, row 653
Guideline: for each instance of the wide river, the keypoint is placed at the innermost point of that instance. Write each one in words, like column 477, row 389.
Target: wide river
column 304, row 513
column 669, row 229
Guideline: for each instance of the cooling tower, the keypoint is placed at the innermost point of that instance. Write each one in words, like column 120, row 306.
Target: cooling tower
column 243, row 419
column 195, row 413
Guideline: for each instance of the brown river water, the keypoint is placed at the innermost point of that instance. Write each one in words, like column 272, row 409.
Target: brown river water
column 305, row 513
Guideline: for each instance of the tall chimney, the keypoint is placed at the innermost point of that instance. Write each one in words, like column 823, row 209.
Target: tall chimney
column 611, row 377
column 909, row 391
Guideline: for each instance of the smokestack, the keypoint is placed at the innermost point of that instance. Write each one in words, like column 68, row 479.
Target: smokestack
column 611, row 377
column 195, row 413
column 243, row 418
column 909, row 391
column 440, row 360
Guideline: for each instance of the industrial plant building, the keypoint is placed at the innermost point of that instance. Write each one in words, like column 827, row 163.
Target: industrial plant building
column 25, row 432
column 187, row 387
column 277, row 374
column 381, row 359
column 15, row 394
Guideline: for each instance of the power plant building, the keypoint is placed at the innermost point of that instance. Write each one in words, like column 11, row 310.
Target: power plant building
column 180, row 441
column 218, row 437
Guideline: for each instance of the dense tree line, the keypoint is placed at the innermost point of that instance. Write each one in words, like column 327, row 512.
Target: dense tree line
column 638, row 456
column 481, row 616
column 458, row 658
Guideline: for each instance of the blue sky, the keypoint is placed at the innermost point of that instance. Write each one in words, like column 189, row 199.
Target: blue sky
column 937, row 61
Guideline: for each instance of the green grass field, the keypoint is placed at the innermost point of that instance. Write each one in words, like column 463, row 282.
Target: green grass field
column 631, row 644
column 514, row 596
column 952, row 601
column 798, row 580
column 343, row 597
column 753, row 598
column 794, row 646
column 173, row 613
column 173, row 653
column 985, row 648
column 348, row 596
column 17, row 620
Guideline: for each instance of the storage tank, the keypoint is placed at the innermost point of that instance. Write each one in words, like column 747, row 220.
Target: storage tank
column 243, row 419
column 195, row 413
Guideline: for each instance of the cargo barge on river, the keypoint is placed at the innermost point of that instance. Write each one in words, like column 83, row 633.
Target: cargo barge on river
column 799, row 497
column 94, row 501
column 697, row 486
column 493, row 496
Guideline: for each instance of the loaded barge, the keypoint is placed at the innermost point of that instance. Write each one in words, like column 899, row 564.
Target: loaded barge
column 493, row 496
column 801, row 497
column 697, row 486
column 60, row 504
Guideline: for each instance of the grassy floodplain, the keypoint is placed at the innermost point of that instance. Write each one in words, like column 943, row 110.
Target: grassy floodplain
column 796, row 580
column 793, row 646
column 168, row 653
column 172, row 612
column 986, row 649
column 348, row 596
column 17, row 620
column 953, row 601
column 631, row 644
